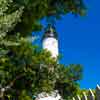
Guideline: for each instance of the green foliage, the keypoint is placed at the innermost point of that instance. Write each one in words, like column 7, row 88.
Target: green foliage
column 24, row 96
column 20, row 68
column 67, row 82
column 32, row 11
column 35, row 10
column 28, row 68
column 25, row 69
column 8, row 20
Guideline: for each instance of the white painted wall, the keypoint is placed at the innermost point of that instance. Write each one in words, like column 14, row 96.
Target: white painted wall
column 51, row 44
column 53, row 96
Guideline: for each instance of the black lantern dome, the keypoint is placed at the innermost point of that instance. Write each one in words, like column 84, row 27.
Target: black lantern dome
column 50, row 31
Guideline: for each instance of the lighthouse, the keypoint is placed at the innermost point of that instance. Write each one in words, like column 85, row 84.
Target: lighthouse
column 50, row 40
column 50, row 43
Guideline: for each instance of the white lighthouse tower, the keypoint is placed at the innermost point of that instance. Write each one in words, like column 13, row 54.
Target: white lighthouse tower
column 50, row 40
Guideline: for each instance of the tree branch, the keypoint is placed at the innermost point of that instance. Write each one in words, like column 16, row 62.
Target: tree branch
column 6, row 88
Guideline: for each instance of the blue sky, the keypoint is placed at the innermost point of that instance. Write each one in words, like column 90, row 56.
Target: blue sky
column 79, row 39
column 79, row 42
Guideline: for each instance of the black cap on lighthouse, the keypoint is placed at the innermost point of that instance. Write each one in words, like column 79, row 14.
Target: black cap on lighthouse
column 50, row 31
